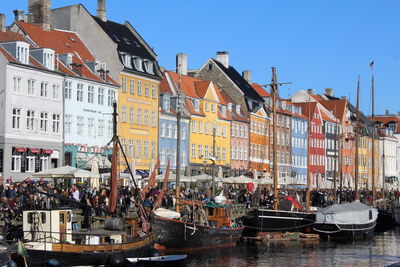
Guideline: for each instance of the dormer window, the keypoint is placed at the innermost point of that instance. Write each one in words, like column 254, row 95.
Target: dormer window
column 48, row 59
column 23, row 52
column 102, row 70
column 230, row 107
column 148, row 64
column 223, row 111
column 238, row 109
column 392, row 126
column 197, row 105
column 137, row 61
column 166, row 103
column 127, row 60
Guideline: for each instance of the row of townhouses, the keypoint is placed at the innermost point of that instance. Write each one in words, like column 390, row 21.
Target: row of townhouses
column 62, row 69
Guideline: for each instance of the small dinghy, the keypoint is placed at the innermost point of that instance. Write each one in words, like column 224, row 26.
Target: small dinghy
column 169, row 260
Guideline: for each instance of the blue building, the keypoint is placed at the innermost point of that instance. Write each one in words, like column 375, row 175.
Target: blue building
column 168, row 130
column 299, row 146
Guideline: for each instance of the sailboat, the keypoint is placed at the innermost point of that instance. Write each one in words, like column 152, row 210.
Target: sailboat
column 261, row 220
column 194, row 224
column 349, row 221
column 48, row 234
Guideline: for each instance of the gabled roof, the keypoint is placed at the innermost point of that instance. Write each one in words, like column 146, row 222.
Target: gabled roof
column 124, row 38
column 64, row 42
column 240, row 82
column 325, row 117
column 260, row 90
column 11, row 37
column 307, row 109
column 189, row 106
column 337, row 107
column 385, row 119
column 234, row 115
column 186, row 84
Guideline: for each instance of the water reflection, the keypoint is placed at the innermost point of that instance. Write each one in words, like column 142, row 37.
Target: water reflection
column 383, row 250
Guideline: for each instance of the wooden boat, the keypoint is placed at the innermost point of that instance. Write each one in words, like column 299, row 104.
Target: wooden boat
column 348, row 221
column 215, row 229
column 49, row 235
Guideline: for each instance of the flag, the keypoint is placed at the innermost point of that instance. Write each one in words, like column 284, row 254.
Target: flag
column 371, row 65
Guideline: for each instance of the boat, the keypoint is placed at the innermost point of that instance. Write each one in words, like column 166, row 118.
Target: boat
column 396, row 214
column 170, row 260
column 386, row 220
column 349, row 221
column 49, row 234
column 211, row 227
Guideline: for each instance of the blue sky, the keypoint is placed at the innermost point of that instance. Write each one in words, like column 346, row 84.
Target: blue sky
column 314, row 44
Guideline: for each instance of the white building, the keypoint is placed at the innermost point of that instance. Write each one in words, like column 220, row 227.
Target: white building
column 31, row 108
column 387, row 156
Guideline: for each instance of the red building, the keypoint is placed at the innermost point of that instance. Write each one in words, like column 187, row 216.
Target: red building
column 316, row 145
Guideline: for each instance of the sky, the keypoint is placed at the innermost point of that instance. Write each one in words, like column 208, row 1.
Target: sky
column 315, row 44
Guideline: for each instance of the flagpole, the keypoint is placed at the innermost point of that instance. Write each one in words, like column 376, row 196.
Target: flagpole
column 373, row 133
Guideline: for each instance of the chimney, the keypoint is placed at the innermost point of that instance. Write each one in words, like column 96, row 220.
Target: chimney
column 247, row 76
column 344, row 97
column 19, row 14
column 387, row 112
column 398, row 113
column 3, row 23
column 101, row 10
column 310, row 91
column 181, row 64
column 329, row 91
column 223, row 57
column 39, row 13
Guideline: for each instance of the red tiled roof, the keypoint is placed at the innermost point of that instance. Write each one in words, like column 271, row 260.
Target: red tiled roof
column 387, row 119
column 325, row 117
column 201, row 87
column 187, row 84
column 338, row 107
column 11, row 37
column 260, row 90
column 190, row 108
column 7, row 55
column 307, row 109
column 164, row 86
column 317, row 97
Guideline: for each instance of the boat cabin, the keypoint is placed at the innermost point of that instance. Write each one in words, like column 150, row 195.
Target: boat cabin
column 49, row 225
column 218, row 215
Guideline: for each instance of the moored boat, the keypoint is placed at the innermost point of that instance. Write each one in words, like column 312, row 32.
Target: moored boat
column 348, row 221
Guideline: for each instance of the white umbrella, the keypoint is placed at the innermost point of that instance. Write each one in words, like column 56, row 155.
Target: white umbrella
column 65, row 172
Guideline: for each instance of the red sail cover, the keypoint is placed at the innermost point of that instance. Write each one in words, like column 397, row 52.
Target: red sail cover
column 152, row 180
column 164, row 188
column 112, row 204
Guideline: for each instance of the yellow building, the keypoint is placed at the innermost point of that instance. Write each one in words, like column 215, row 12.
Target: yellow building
column 209, row 117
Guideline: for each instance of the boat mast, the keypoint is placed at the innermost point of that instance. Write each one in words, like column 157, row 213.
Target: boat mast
column 373, row 140
column 356, row 137
column 213, row 162
column 383, row 168
column 274, row 89
column 114, row 167
column 308, row 193
column 335, row 160
column 178, row 142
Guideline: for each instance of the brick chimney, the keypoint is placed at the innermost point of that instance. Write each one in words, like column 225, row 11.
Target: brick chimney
column 3, row 23
column 223, row 57
column 19, row 14
column 247, row 76
column 310, row 91
column 181, row 64
column 101, row 10
column 329, row 91
column 387, row 112
column 39, row 13
column 344, row 97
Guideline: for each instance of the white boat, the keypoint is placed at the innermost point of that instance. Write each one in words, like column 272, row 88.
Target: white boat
column 346, row 221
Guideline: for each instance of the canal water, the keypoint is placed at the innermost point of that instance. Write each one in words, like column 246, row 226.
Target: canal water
column 382, row 250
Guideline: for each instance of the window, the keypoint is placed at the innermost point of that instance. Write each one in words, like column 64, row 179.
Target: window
column 132, row 86
column 218, row 156
column 123, row 84
column 146, row 89
column 56, row 91
column 44, row 163
column 169, row 130
column 139, row 116
column 183, row 132
column 30, row 163
column 123, row 111
column 43, row 121
column 68, row 90
column 139, row 88
column 131, row 149
column 212, row 108
column 193, row 126
column 30, row 120
column 90, row 94
column 146, row 149
column 200, row 127
column 153, row 150
column 31, row 87
column 224, row 129
column 146, row 118
column 22, row 54
column 138, row 149
column 101, row 127
column 138, row 63
column 127, row 60
column 43, row 89
column 166, row 103
column 100, row 96
column 196, row 105
column 206, row 152
column 163, row 129
column 131, row 115
column 17, row 84
column 110, row 128
column 56, row 123
column 200, row 151
column 91, row 129
column 67, row 123
column 223, row 111
column 16, row 162
column 79, row 124
column 193, row 150
column 154, row 91
column 206, row 106
column 79, row 92
column 153, row 119
column 223, row 153
column 16, row 118
column 206, row 128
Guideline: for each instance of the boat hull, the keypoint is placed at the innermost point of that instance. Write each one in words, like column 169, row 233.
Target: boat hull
column 265, row 220
column 345, row 232
column 79, row 255
column 385, row 221
column 175, row 235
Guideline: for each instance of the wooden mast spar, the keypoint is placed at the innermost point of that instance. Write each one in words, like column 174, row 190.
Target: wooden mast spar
column 356, row 140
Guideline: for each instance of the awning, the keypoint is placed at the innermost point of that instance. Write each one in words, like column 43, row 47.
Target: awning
column 20, row 149
column 34, row 150
column 47, row 151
